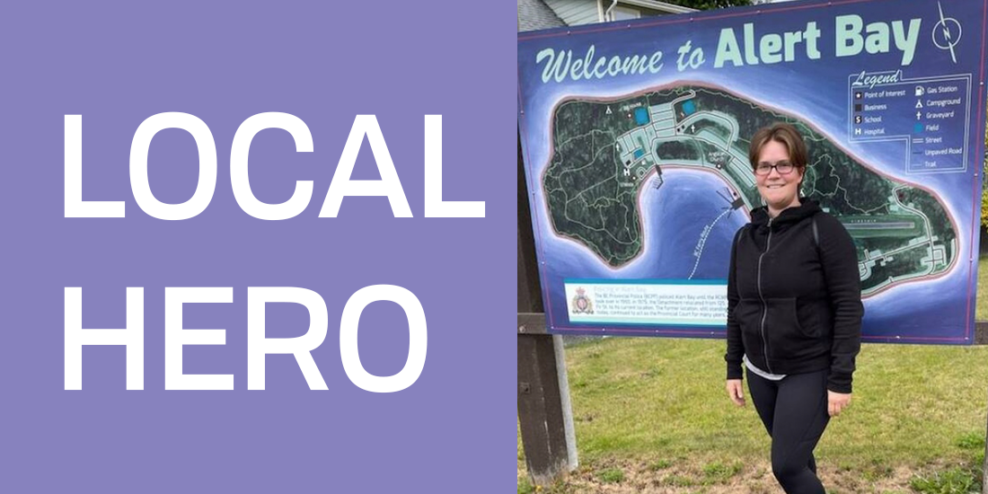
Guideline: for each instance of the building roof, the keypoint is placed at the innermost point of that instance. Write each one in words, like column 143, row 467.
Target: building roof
column 535, row 14
column 666, row 7
column 539, row 14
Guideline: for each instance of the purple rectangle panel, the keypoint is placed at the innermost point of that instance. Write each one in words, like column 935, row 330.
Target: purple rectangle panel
column 159, row 152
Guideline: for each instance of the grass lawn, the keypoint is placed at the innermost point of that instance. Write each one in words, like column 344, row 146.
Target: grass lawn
column 651, row 415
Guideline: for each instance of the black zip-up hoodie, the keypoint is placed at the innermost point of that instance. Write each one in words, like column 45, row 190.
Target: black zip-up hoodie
column 794, row 303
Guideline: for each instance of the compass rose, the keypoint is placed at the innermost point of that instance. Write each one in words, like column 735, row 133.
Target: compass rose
column 946, row 33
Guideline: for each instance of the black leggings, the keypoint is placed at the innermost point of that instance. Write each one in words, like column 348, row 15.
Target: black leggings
column 794, row 411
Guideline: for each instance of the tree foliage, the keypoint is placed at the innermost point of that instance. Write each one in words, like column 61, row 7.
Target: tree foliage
column 984, row 184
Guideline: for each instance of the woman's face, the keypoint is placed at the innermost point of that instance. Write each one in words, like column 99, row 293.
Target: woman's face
column 778, row 190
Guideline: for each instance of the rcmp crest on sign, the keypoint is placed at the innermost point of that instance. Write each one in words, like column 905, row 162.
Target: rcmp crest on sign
column 581, row 303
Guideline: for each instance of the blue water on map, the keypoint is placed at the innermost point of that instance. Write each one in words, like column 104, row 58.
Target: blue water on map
column 672, row 232
column 689, row 107
column 641, row 116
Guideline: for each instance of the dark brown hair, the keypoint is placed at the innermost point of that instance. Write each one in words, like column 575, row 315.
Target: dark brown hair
column 783, row 133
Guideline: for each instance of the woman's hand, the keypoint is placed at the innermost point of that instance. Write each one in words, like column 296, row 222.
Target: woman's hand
column 734, row 390
column 837, row 402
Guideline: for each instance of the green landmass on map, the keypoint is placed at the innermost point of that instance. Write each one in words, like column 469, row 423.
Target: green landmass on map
column 605, row 151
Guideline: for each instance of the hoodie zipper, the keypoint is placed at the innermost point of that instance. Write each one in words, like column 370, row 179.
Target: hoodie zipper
column 768, row 245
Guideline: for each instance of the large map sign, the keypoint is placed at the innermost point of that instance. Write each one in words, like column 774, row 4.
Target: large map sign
column 635, row 137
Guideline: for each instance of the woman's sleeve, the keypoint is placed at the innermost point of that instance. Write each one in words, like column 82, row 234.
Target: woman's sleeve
column 735, row 347
column 840, row 268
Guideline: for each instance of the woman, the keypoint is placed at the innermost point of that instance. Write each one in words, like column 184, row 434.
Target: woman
column 794, row 310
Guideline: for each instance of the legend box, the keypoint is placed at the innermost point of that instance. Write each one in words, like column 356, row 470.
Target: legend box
column 929, row 114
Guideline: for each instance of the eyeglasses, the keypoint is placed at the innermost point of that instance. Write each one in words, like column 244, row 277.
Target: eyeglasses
column 783, row 167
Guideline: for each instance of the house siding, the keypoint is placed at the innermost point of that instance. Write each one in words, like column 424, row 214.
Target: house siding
column 575, row 12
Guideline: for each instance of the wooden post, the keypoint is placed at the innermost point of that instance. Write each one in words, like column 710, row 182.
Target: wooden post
column 540, row 410
column 544, row 412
